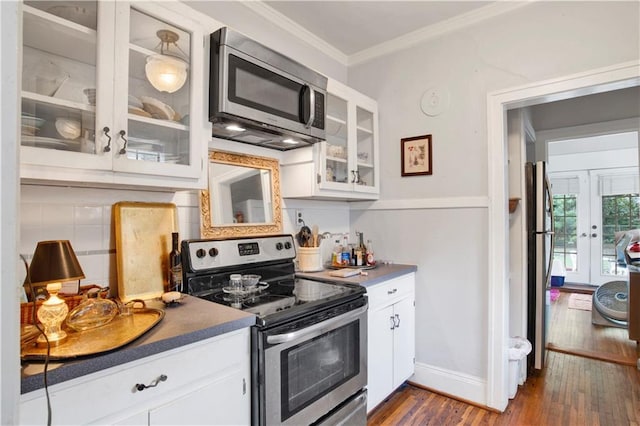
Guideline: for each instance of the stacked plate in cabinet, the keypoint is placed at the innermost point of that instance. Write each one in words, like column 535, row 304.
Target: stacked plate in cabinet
column 148, row 149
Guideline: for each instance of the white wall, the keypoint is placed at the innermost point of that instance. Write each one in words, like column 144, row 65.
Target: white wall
column 539, row 41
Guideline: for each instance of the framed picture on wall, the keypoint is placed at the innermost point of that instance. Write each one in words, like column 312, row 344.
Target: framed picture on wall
column 416, row 155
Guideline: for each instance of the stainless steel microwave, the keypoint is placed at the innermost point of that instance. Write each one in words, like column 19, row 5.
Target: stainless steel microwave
column 261, row 97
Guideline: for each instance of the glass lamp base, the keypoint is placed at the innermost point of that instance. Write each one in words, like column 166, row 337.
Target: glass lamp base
column 54, row 339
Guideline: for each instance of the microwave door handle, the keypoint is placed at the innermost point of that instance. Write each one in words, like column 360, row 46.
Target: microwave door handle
column 312, row 102
column 307, row 101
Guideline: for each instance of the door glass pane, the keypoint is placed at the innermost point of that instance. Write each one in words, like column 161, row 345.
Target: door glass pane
column 58, row 64
column 315, row 367
column 336, row 150
column 566, row 235
column 157, row 102
column 619, row 213
column 365, row 147
column 257, row 87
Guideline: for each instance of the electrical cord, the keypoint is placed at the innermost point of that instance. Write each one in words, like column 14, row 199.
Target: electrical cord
column 39, row 327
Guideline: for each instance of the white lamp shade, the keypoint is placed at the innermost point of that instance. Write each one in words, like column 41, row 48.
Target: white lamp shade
column 165, row 73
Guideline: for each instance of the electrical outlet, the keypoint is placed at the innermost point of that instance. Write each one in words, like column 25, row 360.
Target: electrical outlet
column 299, row 219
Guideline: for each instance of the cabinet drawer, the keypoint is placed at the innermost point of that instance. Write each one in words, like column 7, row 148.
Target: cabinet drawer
column 390, row 291
column 78, row 401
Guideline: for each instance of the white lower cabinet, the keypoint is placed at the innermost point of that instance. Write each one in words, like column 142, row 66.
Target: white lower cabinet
column 391, row 337
column 207, row 382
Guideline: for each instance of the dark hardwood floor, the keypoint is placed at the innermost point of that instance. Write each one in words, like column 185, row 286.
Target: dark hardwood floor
column 571, row 331
column 571, row 390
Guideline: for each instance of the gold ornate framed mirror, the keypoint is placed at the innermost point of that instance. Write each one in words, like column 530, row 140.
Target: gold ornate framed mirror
column 243, row 196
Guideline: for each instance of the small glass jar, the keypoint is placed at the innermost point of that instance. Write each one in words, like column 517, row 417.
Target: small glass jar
column 235, row 282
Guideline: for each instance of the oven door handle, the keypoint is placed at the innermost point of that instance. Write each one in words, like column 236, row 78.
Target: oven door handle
column 288, row 337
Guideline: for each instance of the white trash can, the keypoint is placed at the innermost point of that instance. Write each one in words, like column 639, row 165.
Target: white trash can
column 519, row 348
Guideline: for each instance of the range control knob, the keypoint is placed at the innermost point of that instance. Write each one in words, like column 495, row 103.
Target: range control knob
column 278, row 246
column 201, row 253
column 213, row 252
column 287, row 245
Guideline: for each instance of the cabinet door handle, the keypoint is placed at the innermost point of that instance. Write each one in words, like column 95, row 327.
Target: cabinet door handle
column 140, row 387
column 353, row 173
column 124, row 147
column 244, row 386
column 106, row 133
column 393, row 323
column 397, row 324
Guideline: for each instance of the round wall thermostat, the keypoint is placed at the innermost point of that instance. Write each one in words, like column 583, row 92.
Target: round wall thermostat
column 435, row 100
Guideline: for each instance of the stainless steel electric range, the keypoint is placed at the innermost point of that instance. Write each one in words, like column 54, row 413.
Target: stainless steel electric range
column 310, row 339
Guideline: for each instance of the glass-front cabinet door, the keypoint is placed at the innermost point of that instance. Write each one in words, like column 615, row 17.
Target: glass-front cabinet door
column 348, row 157
column 154, row 92
column 336, row 148
column 60, row 62
column 108, row 87
column 366, row 152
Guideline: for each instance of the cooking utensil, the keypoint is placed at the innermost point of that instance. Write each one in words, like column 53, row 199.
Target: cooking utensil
column 304, row 237
column 314, row 233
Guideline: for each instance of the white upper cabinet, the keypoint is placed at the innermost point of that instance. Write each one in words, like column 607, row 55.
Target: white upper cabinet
column 346, row 165
column 89, row 111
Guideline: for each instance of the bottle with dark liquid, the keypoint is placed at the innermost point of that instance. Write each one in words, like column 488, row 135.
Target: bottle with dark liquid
column 175, row 265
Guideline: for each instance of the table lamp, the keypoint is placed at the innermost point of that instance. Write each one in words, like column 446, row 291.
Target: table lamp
column 53, row 263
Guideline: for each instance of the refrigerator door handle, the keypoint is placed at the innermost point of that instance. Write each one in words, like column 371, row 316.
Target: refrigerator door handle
column 547, row 189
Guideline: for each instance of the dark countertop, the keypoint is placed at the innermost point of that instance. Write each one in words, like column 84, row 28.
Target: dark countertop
column 187, row 322
column 373, row 276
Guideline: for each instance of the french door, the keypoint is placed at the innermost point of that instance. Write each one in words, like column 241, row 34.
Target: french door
column 591, row 208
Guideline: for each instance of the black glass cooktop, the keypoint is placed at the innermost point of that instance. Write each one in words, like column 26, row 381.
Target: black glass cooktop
column 282, row 299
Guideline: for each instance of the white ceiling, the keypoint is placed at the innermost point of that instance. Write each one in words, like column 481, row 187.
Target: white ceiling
column 354, row 26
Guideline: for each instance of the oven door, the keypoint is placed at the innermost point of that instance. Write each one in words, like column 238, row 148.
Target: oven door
column 310, row 370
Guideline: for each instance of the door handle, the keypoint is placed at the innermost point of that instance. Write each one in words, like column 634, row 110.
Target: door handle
column 397, row 324
column 392, row 322
column 330, row 323
column 584, row 234
column 106, row 133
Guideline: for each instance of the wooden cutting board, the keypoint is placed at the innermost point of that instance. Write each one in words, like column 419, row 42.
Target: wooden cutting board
column 143, row 242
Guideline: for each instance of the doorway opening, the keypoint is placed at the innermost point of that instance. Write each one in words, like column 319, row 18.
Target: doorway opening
column 509, row 259
column 594, row 182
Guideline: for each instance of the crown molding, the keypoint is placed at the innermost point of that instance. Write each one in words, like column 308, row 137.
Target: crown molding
column 436, row 30
column 296, row 30
column 390, row 46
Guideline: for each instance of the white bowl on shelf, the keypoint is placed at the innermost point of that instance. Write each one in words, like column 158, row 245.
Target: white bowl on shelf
column 68, row 128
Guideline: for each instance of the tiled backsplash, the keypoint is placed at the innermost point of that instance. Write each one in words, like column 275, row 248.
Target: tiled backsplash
column 83, row 216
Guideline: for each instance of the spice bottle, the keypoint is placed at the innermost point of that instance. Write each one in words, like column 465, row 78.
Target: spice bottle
column 336, row 254
column 370, row 259
column 346, row 252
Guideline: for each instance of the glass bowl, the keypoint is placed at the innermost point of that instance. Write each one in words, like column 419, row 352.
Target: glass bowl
column 250, row 280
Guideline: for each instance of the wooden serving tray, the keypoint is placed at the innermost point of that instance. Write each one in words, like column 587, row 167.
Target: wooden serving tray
column 121, row 330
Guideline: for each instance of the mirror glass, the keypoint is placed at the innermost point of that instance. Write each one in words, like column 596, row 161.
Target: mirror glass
column 243, row 196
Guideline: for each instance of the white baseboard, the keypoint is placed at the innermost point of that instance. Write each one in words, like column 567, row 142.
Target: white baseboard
column 453, row 383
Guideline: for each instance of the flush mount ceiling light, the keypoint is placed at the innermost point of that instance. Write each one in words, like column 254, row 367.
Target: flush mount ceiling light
column 167, row 71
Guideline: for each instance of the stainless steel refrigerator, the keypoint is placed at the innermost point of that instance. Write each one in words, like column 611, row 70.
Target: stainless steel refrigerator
column 540, row 243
